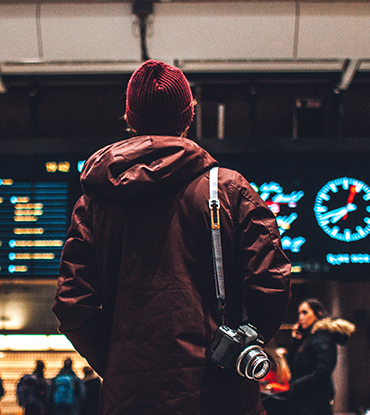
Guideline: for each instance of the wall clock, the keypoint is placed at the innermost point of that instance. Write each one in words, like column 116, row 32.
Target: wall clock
column 342, row 209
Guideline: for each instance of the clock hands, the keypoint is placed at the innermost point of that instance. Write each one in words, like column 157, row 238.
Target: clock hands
column 342, row 213
column 337, row 214
column 352, row 192
column 349, row 208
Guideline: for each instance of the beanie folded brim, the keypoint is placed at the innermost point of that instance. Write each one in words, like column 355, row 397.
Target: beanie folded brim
column 161, row 125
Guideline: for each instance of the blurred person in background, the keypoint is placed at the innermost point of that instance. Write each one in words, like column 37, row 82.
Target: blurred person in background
column 313, row 357
column 275, row 386
column 33, row 391
column 2, row 390
column 67, row 391
column 92, row 385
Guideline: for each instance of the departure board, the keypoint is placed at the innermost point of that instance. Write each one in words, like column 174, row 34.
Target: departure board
column 33, row 221
column 322, row 207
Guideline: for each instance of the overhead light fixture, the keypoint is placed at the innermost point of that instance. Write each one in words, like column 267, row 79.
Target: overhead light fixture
column 39, row 342
column 70, row 67
column 259, row 65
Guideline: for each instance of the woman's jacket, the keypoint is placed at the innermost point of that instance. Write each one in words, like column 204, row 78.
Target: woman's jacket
column 136, row 292
column 312, row 361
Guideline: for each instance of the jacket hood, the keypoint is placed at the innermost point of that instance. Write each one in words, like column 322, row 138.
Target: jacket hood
column 144, row 165
column 340, row 329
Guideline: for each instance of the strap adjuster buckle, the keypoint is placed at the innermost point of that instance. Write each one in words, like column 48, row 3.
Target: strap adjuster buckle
column 214, row 206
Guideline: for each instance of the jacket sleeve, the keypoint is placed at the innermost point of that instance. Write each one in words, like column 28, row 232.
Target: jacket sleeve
column 77, row 304
column 265, row 267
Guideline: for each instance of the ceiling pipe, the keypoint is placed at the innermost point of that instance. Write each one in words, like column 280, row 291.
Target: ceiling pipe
column 349, row 70
column 143, row 9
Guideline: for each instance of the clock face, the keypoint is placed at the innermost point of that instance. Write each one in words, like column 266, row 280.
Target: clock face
column 342, row 209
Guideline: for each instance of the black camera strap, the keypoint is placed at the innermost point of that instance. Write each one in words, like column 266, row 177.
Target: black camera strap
column 218, row 268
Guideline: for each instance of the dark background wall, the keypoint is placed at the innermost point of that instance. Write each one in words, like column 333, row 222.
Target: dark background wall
column 257, row 106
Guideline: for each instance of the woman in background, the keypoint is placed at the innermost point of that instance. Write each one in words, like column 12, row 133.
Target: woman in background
column 313, row 357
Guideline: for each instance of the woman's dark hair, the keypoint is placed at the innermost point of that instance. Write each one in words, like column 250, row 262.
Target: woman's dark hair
column 316, row 306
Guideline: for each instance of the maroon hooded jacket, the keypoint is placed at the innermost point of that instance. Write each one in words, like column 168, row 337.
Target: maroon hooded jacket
column 136, row 292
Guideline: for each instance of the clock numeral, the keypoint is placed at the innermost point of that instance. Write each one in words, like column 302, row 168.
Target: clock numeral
column 334, row 231
column 323, row 222
column 360, row 231
column 325, row 196
column 347, row 234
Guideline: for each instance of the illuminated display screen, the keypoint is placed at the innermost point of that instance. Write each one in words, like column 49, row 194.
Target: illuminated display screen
column 321, row 204
column 33, row 218
column 322, row 207
column 36, row 197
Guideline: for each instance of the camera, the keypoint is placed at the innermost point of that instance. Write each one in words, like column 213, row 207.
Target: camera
column 239, row 350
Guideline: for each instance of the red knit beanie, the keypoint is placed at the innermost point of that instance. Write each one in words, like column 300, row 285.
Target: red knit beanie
column 158, row 99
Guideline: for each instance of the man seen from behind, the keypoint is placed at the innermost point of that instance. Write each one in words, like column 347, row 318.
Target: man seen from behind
column 136, row 291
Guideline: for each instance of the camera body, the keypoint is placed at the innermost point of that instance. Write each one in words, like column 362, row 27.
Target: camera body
column 239, row 350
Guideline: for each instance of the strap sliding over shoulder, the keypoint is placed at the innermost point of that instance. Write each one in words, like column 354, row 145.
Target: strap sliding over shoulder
column 214, row 206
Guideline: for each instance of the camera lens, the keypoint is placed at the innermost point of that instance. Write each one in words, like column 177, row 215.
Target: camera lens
column 253, row 363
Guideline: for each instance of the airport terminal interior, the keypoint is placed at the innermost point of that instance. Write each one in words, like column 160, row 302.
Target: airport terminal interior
column 283, row 96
